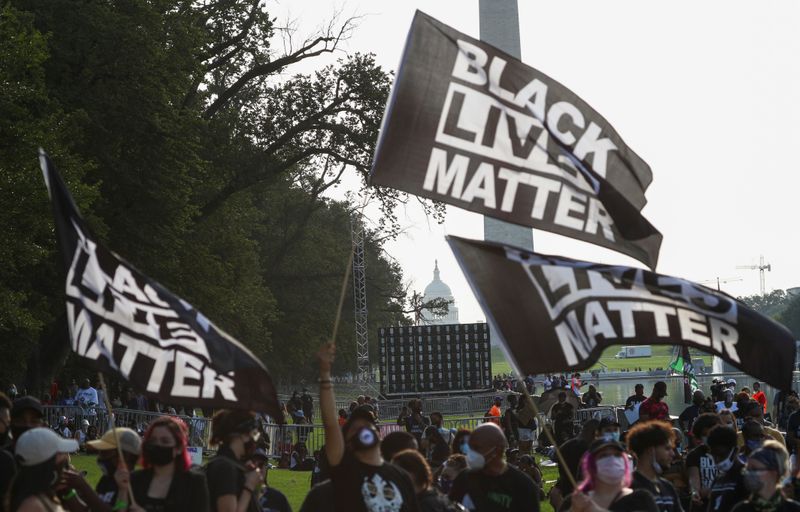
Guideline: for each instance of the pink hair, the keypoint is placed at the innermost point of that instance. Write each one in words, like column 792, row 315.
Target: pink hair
column 589, row 470
column 179, row 431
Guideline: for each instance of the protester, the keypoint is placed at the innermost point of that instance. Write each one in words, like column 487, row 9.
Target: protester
column 232, row 484
column 461, row 441
column 429, row 499
column 490, row 484
column 494, row 412
column 766, row 470
column 592, row 397
column 653, row 443
column 86, row 396
column 270, row 498
column 105, row 496
column 166, row 482
column 7, row 462
column 609, row 429
column 700, row 466
column 452, row 467
column 728, row 488
column 416, row 422
column 654, row 407
column 606, row 484
column 727, row 402
column 510, row 421
column 636, row 398
column 753, row 437
column 307, row 404
column 687, row 417
column 753, row 411
column 401, row 417
column 362, row 481
column 562, row 413
column 728, row 419
column 26, row 413
column 43, row 456
column 573, row 451
column 528, row 465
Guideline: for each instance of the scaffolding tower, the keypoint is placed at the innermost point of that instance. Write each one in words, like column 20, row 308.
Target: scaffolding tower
column 360, row 302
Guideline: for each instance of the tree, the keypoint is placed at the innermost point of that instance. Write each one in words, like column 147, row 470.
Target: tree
column 770, row 304
column 790, row 316
column 193, row 156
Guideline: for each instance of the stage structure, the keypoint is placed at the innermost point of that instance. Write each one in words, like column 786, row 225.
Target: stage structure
column 434, row 359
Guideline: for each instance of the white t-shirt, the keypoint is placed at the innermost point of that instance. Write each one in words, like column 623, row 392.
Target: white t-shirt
column 721, row 405
column 86, row 396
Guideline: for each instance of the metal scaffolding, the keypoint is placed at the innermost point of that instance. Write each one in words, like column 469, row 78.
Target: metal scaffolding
column 360, row 302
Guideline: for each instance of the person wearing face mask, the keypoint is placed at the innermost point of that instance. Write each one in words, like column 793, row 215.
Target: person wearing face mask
column 428, row 497
column 606, row 484
column 43, row 455
column 26, row 413
column 461, row 441
column 361, row 480
column 728, row 488
column 450, row 470
column 766, row 469
column 232, row 479
column 753, row 437
column 752, row 411
column 104, row 498
column 166, row 482
column 700, row 464
column 609, row 429
column 652, row 444
column 490, row 484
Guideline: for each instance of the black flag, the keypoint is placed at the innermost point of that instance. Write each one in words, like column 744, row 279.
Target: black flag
column 555, row 314
column 121, row 320
column 469, row 125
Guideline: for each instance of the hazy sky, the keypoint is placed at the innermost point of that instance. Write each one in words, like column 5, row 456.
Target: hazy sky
column 707, row 93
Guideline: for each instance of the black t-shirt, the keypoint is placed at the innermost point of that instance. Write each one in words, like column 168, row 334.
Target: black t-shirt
column 663, row 492
column 360, row 487
column 572, row 451
column 187, row 491
column 273, row 500
column 793, row 426
column 107, row 489
column 562, row 412
column 433, row 501
column 700, row 458
column 225, row 476
column 637, row 501
column 511, row 491
column 415, row 424
column 728, row 489
column 688, row 416
column 784, row 506
column 8, row 469
column 319, row 499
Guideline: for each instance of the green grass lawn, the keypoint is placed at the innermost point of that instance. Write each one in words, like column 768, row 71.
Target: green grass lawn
column 661, row 358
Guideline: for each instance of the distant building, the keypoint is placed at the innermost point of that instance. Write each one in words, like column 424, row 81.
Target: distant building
column 437, row 289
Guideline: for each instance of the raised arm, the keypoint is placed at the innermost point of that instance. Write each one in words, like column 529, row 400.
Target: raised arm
column 334, row 441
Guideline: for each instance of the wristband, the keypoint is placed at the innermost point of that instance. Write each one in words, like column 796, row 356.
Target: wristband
column 71, row 494
column 251, row 491
column 324, row 381
column 120, row 505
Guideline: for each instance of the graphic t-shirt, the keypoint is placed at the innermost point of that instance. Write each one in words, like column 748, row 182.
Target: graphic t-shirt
column 663, row 492
column 86, row 396
column 728, row 489
column 360, row 487
column 511, row 491
column 701, row 458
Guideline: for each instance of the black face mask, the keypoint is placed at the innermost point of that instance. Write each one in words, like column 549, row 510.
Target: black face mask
column 250, row 447
column 159, row 455
column 107, row 466
column 18, row 430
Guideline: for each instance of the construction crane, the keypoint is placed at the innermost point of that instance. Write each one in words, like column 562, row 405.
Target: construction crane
column 761, row 267
column 360, row 302
column 721, row 280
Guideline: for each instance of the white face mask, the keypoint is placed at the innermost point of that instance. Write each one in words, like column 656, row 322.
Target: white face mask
column 611, row 469
column 475, row 460
column 726, row 464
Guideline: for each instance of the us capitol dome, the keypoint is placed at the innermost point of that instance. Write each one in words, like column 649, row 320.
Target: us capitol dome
column 437, row 289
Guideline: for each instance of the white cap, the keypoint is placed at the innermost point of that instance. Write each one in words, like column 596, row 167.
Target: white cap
column 732, row 381
column 40, row 444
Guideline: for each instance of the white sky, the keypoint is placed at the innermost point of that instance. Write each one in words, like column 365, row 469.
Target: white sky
column 707, row 93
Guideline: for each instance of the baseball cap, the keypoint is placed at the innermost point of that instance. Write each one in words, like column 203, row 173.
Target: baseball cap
column 40, row 444
column 731, row 381
column 604, row 443
column 26, row 403
column 129, row 441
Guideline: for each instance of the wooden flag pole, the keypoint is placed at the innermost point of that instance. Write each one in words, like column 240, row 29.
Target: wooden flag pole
column 549, row 435
column 114, row 432
column 341, row 297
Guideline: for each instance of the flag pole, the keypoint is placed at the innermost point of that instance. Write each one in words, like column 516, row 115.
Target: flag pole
column 341, row 297
column 548, row 434
column 115, row 433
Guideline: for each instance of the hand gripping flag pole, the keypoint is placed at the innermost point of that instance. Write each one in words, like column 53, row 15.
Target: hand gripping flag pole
column 112, row 424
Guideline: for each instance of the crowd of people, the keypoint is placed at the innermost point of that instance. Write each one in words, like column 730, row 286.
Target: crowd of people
column 721, row 453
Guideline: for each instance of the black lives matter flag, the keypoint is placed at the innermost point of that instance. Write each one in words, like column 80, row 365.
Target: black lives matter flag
column 469, row 125
column 555, row 313
column 121, row 320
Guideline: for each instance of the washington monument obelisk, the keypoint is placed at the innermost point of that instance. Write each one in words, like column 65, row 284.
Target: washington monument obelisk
column 499, row 20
